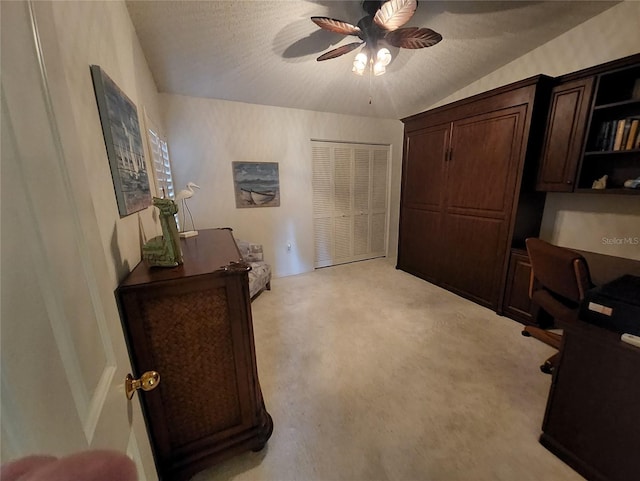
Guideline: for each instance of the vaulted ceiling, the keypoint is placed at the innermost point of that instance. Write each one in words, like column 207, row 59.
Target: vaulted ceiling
column 264, row 51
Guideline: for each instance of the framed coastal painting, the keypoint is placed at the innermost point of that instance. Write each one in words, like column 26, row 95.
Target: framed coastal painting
column 122, row 138
column 256, row 184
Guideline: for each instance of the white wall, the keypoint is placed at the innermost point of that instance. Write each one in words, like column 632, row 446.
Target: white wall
column 101, row 33
column 581, row 220
column 206, row 136
column 611, row 225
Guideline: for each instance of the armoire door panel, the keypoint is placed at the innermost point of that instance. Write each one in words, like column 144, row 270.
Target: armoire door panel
column 419, row 248
column 472, row 257
column 517, row 303
column 424, row 167
column 467, row 211
column 564, row 137
column 482, row 170
column 557, row 145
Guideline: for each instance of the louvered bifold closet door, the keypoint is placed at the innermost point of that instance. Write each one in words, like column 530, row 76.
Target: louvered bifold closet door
column 343, row 204
column 322, row 185
column 349, row 202
column 378, row 209
column 362, row 161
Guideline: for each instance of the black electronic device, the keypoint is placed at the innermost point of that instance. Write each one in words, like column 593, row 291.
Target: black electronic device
column 614, row 305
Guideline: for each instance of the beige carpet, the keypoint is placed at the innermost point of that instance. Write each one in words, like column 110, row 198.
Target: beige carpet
column 373, row 374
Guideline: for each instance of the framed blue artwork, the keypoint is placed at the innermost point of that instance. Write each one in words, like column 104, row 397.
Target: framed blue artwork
column 125, row 151
column 256, row 184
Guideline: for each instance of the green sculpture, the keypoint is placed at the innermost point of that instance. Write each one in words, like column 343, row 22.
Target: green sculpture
column 164, row 250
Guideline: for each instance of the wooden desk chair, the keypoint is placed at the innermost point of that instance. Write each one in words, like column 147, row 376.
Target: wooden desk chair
column 559, row 279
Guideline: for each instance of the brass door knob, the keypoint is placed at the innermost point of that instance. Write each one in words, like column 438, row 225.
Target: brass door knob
column 148, row 381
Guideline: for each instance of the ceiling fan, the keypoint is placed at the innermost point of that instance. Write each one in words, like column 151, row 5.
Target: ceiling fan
column 381, row 25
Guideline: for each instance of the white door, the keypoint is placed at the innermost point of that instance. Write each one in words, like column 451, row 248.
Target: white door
column 64, row 358
column 349, row 201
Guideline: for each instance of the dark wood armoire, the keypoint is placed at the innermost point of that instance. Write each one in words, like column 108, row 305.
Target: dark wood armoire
column 468, row 188
column 192, row 324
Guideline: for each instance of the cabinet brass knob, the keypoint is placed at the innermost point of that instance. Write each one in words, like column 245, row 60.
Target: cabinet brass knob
column 148, row 381
column 569, row 182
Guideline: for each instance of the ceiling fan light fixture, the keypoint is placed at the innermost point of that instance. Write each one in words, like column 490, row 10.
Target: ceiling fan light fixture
column 360, row 63
column 384, row 56
column 361, row 58
column 383, row 23
column 378, row 69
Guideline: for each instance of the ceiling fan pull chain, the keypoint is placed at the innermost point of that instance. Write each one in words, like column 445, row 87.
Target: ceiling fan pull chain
column 370, row 83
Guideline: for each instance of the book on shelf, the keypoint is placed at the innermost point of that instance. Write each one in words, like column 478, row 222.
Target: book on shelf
column 625, row 134
column 617, row 141
column 617, row 135
column 603, row 135
column 606, row 135
column 613, row 129
column 633, row 135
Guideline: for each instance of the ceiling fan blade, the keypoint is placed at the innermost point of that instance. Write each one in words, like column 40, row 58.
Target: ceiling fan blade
column 336, row 52
column 394, row 14
column 413, row 37
column 337, row 26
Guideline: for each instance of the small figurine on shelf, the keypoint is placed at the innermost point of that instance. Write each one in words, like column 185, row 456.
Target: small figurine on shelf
column 164, row 250
column 601, row 183
column 182, row 197
column 632, row 183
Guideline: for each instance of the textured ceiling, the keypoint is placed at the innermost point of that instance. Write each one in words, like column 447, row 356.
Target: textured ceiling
column 264, row 52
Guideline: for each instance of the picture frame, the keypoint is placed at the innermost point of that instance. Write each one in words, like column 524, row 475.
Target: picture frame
column 123, row 141
column 256, row 184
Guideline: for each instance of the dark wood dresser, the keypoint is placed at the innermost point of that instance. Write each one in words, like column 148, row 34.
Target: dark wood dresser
column 192, row 324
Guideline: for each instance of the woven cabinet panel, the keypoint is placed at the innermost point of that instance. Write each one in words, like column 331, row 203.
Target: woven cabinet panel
column 189, row 335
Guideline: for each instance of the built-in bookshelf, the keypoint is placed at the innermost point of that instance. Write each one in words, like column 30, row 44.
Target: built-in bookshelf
column 612, row 147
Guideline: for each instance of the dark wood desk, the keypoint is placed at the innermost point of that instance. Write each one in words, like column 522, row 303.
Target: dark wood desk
column 592, row 420
column 516, row 303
